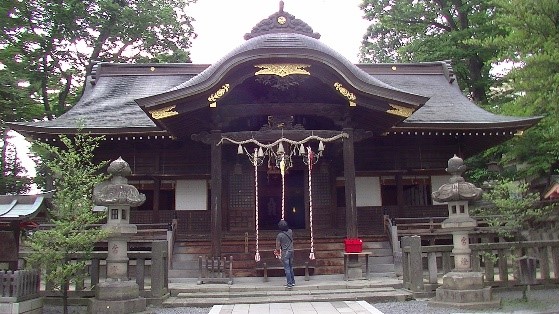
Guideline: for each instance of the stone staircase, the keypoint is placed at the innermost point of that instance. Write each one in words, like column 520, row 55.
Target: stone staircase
column 251, row 290
column 381, row 263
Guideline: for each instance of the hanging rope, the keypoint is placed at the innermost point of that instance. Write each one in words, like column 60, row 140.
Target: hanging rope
column 310, row 159
column 255, row 163
column 282, row 171
column 283, row 139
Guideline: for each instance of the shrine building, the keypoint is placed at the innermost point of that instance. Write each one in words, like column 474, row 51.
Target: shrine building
column 282, row 126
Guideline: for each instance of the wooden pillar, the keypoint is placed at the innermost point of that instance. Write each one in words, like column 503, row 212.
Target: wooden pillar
column 156, row 199
column 156, row 188
column 216, row 173
column 349, row 174
column 399, row 193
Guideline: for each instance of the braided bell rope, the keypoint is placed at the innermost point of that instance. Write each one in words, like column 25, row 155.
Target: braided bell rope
column 255, row 163
column 282, row 171
column 310, row 159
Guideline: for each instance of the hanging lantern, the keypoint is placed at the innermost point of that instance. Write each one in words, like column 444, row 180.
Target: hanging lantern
column 260, row 152
column 240, row 150
column 302, row 150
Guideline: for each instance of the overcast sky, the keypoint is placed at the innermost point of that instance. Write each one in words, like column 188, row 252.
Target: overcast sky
column 221, row 24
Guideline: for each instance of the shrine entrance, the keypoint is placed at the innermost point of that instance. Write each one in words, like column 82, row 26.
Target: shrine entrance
column 270, row 199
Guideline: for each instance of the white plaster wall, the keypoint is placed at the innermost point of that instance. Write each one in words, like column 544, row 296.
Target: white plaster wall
column 191, row 195
column 367, row 191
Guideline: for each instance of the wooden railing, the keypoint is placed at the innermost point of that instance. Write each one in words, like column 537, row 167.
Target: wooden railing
column 18, row 285
column 150, row 264
column 423, row 266
column 431, row 226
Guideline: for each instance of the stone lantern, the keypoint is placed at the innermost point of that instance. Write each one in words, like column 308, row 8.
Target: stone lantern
column 118, row 294
column 461, row 287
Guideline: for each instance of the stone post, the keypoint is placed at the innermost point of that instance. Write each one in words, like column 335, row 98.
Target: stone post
column 118, row 294
column 461, row 287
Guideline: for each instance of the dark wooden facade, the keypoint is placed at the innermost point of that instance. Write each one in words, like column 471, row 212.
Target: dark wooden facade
column 401, row 123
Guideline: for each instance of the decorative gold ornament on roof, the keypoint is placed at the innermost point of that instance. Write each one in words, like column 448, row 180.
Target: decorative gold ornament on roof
column 346, row 93
column 217, row 95
column 163, row 113
column 282, row 20
column 283, row 69
column 400, row 111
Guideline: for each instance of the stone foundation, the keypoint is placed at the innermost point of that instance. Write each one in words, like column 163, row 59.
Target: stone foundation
column 464, row 290
column 112, row 297
column 33, row 306
column 120, row 307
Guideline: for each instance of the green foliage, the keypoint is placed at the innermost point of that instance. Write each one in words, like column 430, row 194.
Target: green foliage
column 426, row 30
column 51, row 44
column 532, row 44
column 15, row 103
column 75, row 176
column 510, row 207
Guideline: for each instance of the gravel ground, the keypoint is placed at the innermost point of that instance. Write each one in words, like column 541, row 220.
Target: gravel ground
column 539, row 301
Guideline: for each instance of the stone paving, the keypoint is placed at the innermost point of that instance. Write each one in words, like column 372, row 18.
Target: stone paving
column 345, row 307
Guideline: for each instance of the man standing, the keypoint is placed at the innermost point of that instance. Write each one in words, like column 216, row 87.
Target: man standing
column 284, row 250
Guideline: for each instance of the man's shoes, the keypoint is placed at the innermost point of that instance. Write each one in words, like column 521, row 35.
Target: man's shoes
column 289, row 286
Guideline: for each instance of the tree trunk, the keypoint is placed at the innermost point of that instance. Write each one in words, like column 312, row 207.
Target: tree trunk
column 477, row 88
column 65, row 288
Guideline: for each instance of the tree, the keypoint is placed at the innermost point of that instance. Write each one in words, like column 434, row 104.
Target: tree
column 15, row 105
column 14, row 178
column 531, row 44
column 52, row 45
column 75, row 176
column 434, row 30
column 510, row 207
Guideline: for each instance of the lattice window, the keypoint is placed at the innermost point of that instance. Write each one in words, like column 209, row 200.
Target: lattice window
column 241, row 191
column 321, row 189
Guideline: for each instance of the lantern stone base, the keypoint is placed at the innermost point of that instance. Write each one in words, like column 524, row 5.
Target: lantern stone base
column 117, row 297
column 464, row 290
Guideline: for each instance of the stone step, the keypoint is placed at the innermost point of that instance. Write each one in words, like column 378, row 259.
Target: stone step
column 389, row 259
column 381, row 268
column 380, row 251
column 183, row 273
column 294, row 295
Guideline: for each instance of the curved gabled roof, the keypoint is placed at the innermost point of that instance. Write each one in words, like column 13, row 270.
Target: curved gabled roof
column 285, row 46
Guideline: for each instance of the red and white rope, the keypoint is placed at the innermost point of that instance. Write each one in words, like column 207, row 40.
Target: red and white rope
column 282, row 170
column 255, row 164
column 310, row 157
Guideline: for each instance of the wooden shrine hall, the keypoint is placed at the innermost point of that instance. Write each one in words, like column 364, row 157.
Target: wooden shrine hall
column 282, row 126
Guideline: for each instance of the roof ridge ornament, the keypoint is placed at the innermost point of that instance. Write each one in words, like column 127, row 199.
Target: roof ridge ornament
column 281, row 22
